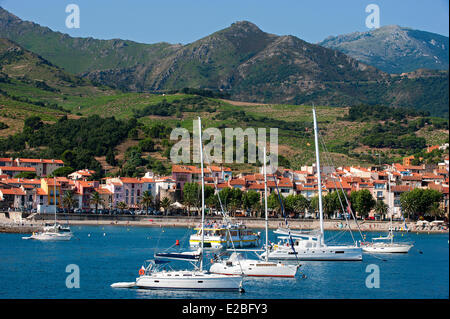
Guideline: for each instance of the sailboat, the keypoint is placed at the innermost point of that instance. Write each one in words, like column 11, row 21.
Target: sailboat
column 55, row 232
column 152, row 276
column 237, row 263
column 311, row 245
column 386, row 245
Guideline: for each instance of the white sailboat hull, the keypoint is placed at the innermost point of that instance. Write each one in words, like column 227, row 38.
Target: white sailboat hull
column 254, row 268
column 188, row 280
column 387, row 248
column 325, row 253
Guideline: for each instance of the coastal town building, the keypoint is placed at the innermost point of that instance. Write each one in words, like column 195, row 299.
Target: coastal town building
column 41, row 167
column 83, row 174
column 386, row 183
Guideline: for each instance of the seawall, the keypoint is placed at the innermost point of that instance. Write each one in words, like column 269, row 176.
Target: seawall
column 193, row 221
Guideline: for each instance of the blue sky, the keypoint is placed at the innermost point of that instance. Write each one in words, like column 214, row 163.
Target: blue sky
column 182, row 21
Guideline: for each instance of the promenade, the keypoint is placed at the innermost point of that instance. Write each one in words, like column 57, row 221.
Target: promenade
column 28, row 226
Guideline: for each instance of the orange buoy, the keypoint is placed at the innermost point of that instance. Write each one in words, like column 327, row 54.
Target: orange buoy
column 177, row 243
column 141, row 271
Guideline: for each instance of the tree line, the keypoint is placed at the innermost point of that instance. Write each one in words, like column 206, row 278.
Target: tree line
column 415, row 204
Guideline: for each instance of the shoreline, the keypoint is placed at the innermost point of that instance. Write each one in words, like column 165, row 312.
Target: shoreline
column 27, row 226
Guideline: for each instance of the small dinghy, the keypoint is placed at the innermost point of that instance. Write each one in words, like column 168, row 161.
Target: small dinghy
column 123, row 285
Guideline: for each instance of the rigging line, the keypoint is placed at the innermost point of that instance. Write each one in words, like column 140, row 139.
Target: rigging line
column 346, row 200
column 285, row 219
column 337, row 236
column 339, row 197
column 225, row 217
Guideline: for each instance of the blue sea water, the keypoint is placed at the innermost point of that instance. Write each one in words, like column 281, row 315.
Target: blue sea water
column 108, row 254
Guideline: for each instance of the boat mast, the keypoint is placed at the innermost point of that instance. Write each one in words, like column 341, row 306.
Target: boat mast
column 319, row 180
column 391, row 210
column 54, row 187
column 265, row 206
column 203, row 190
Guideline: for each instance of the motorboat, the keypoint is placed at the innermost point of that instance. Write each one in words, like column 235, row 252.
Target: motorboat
column 55, row 232
column 225, row 235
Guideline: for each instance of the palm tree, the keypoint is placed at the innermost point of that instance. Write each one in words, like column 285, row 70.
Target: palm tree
column 122, row 206
column 165, row 203
column 96, row 199
column 435, row 210
column 68, row 199
column 381, row 208
column 147, row 199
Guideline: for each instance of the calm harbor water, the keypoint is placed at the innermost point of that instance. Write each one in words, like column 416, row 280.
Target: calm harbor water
column 108, row 254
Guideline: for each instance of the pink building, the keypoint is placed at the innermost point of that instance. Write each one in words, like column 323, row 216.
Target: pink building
column 125, row 189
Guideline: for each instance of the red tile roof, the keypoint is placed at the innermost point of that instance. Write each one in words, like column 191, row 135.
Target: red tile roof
column 256, row 186
column 219, row 169
column 35, row 160
column 280, row 183
column 130, row 180
column 12, row 191
column 432, row 176
column 17, row 168
column 103, row 191
column 237, row 182
column 86, row 183
column 412, row 178
column 22, row 181
column 40, row 191
column 401, row 188
column 410, row 167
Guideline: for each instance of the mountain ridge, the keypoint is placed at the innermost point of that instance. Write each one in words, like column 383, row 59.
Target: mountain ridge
column 394, row 49
column 242, row 60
